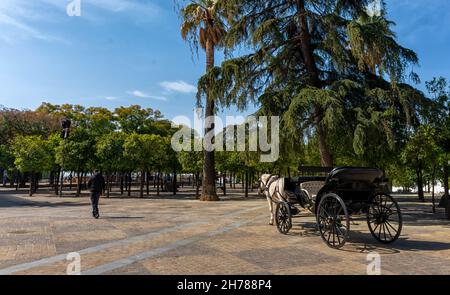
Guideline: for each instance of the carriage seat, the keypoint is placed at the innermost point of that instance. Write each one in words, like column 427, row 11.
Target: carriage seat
column 312, row 188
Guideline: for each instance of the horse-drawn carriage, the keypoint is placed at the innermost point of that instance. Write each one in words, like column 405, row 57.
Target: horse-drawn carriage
column 334, row 199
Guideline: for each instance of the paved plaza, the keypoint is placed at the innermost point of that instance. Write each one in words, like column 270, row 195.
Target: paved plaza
column 180, row 235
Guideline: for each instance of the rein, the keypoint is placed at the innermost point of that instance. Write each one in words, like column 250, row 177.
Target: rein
column 271, row 180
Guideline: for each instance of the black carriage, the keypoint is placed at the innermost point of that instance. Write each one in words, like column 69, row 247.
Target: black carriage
column 334, row 199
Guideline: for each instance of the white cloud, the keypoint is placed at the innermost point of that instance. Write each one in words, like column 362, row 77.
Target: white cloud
column 178, row 86
column 140, row 94
column 111, row 98
column 17, row 19
column 21, row 19
column 125, row 5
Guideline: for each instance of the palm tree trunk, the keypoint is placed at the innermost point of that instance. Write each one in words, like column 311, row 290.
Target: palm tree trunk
column 209, row 172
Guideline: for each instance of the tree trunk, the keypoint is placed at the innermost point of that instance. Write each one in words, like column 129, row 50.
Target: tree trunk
column 141, row 191
column 79, row 183
column 129, row 181
column 447, row 210
column 121, row 183
column 234, row 180
column 31, row 185
column 446, row 188
column 147, row 182
column 71, row 181
column 446, row 198
column 314, row 80
column 57, row 182
column 108, row 184
column 197, row 186
column 224, row 180
column 209, row 172
column 246, row 184
column 433, row 179
column 174, row 182
column 158, row 183
column 420, row 184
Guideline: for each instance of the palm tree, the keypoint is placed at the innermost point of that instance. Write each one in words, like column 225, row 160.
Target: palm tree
column 203, row 24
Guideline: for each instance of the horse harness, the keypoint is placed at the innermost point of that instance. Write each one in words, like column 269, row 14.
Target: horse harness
column 271, row 180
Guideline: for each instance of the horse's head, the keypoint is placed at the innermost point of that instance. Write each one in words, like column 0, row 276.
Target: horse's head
column 263, row 180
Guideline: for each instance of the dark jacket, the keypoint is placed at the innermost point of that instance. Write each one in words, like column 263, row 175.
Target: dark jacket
column 96, row 183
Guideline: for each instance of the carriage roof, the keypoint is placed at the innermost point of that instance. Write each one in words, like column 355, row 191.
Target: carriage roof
column 356, row 174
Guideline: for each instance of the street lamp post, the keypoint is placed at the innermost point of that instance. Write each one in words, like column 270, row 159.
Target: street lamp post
column 65, row 123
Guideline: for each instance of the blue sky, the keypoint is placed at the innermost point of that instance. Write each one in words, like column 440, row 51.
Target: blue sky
column 123, row 52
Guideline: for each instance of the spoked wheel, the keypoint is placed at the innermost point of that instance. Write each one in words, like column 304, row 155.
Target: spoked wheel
column 283, row 217
column 384, row 218
column 333, row 221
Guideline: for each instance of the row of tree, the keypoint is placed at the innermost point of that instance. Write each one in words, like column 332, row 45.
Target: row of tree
column 126, row 142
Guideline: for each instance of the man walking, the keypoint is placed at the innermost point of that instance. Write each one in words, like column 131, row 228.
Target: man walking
column 96, row 185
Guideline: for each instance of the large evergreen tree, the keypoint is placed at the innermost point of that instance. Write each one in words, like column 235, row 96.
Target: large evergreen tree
column 324, row 66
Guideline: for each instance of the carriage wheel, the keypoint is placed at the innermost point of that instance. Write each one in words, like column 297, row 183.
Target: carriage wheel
column 283, row 217
column 333, row 221
column 384, row 218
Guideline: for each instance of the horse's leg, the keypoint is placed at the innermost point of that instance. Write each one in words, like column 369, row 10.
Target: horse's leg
column 269, row 200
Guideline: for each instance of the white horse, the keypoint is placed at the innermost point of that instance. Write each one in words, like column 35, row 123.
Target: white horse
column 273, row 188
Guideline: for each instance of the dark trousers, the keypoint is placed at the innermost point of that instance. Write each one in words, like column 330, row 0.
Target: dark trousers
column 95, row 196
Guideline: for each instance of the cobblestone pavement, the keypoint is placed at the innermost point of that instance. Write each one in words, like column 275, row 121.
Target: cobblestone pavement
column 180, row 235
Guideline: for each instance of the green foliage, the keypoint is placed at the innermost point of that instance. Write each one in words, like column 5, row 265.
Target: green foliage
column 77, row 153
column 110, row 152
column 422, row 150
column 145, row 150
column 31, row 154
column 6, row 158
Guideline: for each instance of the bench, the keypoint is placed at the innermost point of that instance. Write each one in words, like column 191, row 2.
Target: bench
column 312, row 188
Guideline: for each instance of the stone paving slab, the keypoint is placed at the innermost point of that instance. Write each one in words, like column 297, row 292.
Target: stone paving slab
column 184, row 236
